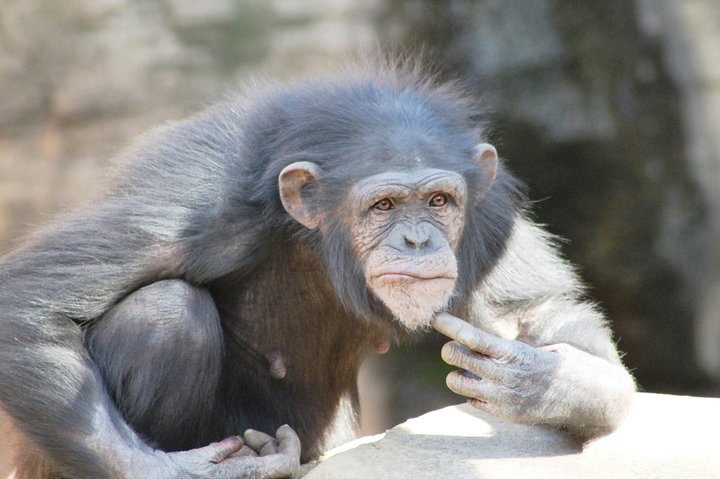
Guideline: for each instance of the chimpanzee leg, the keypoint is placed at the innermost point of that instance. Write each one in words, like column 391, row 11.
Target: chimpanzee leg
column 159, row 351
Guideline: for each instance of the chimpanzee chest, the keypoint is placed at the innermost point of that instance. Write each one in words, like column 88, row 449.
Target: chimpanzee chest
column 292, row 352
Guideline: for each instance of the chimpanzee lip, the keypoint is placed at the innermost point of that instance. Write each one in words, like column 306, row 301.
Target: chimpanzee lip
column 413, row 276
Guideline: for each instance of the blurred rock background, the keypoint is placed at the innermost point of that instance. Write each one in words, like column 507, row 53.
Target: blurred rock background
column 610, row 111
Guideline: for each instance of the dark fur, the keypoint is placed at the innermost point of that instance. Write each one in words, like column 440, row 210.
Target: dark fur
column 198, row 200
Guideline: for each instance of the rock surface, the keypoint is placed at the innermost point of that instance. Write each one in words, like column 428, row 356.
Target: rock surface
column 664, row 436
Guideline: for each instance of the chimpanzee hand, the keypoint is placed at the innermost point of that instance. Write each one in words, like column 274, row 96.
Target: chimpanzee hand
column 255, row 455
column 558, row 385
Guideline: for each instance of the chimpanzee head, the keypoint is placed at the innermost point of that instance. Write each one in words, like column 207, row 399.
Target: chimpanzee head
column 391, row 173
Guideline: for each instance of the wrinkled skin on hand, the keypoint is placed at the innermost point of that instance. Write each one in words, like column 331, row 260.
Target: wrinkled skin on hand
column 557, row 385
column 255, row 454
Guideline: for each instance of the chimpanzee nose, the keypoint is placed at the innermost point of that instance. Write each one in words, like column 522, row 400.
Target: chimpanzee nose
column 416, row 238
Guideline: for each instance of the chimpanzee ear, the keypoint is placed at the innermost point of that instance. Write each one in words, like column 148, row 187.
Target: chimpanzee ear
column 486, row 156
column 291, row 181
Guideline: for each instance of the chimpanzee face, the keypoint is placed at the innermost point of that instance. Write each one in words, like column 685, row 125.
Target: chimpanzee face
column 403, row 227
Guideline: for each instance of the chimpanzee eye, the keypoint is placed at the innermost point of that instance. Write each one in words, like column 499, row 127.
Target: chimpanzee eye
column 384, row 205
column 439, row 199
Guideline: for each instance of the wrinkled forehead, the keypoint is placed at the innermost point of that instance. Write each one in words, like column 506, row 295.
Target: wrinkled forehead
column 406, row 183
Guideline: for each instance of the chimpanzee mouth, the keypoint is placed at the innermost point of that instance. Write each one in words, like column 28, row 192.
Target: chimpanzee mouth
column 412, row 277
column 413, row 298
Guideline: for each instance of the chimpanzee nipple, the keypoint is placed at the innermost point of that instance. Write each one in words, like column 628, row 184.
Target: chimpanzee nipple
column 277, row 365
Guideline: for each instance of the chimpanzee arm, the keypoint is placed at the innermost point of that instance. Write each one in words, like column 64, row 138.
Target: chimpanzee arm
column 150, row 224
column 556, row 363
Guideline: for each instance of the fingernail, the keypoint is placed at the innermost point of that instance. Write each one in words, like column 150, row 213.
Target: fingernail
column 469, row 374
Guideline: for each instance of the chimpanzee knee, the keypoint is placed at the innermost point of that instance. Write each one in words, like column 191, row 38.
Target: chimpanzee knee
column 159, row 351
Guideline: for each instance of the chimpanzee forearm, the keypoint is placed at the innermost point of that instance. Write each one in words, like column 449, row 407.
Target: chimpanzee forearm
column 557, row 385
column 544, row 355
column 591, row 392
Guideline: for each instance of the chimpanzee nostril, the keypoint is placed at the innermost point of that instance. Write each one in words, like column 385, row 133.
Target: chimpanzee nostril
column 416, row 241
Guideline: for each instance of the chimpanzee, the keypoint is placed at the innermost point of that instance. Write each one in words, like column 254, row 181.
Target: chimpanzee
column 237, row 265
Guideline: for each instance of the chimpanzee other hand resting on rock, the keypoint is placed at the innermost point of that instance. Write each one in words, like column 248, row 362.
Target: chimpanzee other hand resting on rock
column 237, row 266
column 547, row 385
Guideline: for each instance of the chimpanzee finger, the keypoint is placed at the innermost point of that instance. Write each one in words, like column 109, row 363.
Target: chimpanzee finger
column 287, row 460
column 472, row 387
column 218, row 451
column 274, row 466
column 270, row 448
column 244, row 451
column 461, row 356
column 257, row 440
column 289, row 440
column 284, row 463
column 472, row 337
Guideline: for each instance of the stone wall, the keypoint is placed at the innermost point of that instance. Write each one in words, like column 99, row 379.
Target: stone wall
column 690, row 35
column 79, row 79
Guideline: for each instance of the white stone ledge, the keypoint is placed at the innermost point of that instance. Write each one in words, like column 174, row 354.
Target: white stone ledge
column 663, row 437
